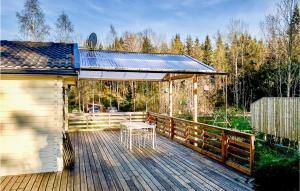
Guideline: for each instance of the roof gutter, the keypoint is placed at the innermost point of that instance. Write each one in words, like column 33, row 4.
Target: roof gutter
column 34, row 71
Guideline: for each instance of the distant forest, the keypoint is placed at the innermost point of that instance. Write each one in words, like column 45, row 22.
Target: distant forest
column 267, row 67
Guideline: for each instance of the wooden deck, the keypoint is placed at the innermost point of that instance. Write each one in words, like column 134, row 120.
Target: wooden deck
column 103, row 164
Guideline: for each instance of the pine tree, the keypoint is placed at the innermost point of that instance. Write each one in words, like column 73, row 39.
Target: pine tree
column 189, row 45
column 177, row 46
column 207, row 51
column 197, row 52
column 100, row 46
column 146, row 44
column 219, row 55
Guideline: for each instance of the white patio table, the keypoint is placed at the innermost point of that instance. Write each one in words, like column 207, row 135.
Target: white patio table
column 130, row 126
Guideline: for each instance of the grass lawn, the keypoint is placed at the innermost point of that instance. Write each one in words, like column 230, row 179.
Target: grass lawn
column 235, row 122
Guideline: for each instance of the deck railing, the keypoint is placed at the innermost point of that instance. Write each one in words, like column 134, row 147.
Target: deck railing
column 233, row 148
column 102, row 120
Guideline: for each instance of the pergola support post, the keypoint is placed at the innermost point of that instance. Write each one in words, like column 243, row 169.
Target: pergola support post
column 170, row 98
column 195, row 98
column 65, row 109
column 79, row 99
column 195, row 103
column 93, row 97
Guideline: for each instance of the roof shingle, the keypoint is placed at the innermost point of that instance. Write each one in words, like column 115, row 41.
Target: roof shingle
column 20, row 55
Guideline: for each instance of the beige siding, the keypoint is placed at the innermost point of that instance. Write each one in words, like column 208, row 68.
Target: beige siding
column 31, row 114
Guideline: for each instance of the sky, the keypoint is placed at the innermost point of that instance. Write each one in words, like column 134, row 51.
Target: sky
column 164, row 17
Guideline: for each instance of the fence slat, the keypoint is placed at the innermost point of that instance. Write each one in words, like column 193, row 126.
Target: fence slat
column 277, row 116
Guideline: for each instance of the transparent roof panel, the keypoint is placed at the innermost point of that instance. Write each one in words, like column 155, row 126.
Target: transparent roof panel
column 114, row 61
column 108, row 75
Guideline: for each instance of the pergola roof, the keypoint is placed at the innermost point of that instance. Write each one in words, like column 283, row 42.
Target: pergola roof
column 119, row 76
column 113, row 65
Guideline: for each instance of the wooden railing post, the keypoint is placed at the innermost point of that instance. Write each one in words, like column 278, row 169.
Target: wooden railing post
column 224, row 146
column 147, row 117
column 87, row 121
column 252, row 147
column 172, row 128
column 109, row 120
column 156, row 123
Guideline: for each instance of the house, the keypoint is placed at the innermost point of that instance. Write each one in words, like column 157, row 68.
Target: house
column 34, row 79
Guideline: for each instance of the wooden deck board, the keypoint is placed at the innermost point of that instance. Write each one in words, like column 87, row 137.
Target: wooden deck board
column 102, row 163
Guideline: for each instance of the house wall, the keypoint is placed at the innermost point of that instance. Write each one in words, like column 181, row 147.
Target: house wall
column 31, row 113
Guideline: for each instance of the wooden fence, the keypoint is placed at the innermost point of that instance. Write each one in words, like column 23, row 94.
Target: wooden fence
column 235, row 149
column 277, row 116
column 102, row 120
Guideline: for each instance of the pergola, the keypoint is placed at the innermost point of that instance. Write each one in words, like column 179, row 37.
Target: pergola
column 235, row 149
column 133, row 66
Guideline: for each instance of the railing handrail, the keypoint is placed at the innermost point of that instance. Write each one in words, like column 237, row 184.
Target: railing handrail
column 104, row 114
column 206, row 125
column 228, row 146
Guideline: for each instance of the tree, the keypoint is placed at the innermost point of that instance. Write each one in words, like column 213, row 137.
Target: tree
column 100, row 46
column 207, row 51
column 197, row 50
column 64, row 28
column 176, row 45
column 113, row 31
column 163, row 48
column 32, row 21
column 131, row 42
column 236, row 29
column 146, row 44
column 282, row 39
column 189, row 45
column 293, row 37
column 219, row 55
column 116, row 44
column 289, row 14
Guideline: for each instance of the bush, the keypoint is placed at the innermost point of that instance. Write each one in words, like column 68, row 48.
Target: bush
column 187, row 116
column 275, row 169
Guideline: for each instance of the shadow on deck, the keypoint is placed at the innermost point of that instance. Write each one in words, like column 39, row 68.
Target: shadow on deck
column 103, row 164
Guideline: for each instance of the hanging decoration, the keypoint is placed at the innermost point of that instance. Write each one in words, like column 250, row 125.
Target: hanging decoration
column 206, row 87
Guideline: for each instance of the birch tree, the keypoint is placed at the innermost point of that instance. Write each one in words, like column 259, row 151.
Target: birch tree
column 64, row 28
column 286, row 10
column 31, row 21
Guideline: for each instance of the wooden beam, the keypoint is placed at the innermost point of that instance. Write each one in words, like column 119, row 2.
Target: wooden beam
column 121, row 79
column 156, row 70
column 178, row 77
column 185, row 76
